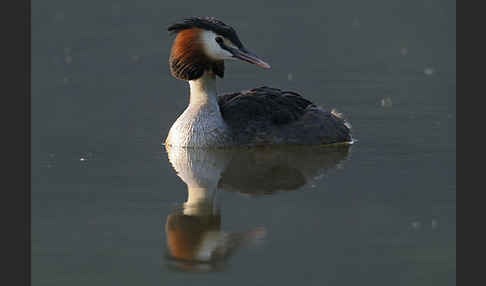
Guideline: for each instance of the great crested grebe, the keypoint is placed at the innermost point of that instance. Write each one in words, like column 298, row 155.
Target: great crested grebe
column 261, row 116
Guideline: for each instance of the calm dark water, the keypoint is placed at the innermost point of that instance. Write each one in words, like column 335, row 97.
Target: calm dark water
column 108, row 205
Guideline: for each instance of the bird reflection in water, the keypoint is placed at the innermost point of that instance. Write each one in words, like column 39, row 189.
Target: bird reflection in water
column 195, row 240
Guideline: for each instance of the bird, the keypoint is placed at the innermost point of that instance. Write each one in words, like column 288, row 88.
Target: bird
column 262, row 116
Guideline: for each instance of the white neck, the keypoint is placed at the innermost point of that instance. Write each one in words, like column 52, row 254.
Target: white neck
column 203, row 91
column 201, row 124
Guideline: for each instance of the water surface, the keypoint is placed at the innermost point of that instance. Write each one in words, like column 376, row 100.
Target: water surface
column 382, row 212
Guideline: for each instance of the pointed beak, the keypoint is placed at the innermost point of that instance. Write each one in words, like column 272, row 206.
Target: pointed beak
column 249, row 57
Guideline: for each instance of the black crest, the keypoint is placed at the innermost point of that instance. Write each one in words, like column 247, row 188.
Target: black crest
column 207, row 23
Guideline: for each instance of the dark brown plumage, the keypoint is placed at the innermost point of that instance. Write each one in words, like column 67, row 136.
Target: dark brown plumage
column 265, row 116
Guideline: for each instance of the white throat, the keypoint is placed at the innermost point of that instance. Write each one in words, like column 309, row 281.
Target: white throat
column 203, row 91
column 201, row 124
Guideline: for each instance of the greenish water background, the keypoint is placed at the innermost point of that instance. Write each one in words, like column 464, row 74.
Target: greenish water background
column 103, row 100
